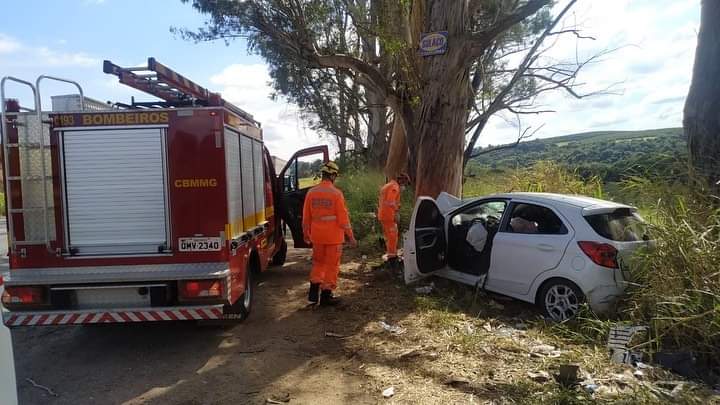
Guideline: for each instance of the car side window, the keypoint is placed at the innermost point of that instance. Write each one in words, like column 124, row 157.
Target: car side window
column 534, row 219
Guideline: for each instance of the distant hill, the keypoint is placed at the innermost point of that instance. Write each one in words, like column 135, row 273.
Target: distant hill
column 607, row 154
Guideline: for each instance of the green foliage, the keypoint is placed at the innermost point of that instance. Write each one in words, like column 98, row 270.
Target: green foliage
column 541, row 177
column 609, row 155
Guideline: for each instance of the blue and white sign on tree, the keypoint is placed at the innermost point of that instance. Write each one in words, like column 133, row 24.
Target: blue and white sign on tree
column 433, row 43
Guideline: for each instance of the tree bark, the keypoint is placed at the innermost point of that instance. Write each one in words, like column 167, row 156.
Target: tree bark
column 397, row 161
column 440, row 120
column 702, row 108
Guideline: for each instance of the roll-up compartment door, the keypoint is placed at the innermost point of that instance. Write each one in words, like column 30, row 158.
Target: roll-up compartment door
column 234, row 184
column 259, row 181
column 248, row 180
column 116, row 189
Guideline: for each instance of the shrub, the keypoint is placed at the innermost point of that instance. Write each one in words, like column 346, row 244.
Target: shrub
column 677, row 284
column 550, row 177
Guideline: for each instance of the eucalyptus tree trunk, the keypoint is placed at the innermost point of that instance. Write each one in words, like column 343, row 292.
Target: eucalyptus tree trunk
column 702, row 107
column 443, row 111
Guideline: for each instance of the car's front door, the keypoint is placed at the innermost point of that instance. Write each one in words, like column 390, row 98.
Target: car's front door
column 298, row 176
column 425, row 246
column 532, row 239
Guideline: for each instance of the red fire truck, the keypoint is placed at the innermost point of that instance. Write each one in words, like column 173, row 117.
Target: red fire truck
column 149, row 211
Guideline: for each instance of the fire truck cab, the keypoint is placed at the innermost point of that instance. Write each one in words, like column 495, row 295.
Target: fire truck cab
column 149, row 211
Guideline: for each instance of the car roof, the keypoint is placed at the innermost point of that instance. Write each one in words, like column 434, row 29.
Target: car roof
column 588, row 205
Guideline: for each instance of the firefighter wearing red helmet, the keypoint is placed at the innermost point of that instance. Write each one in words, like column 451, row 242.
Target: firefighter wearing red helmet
column 388, row 213
column 326, row 224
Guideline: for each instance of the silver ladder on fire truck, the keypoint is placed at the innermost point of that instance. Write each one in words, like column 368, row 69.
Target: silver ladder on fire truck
column 175, row 89
column 27, row 167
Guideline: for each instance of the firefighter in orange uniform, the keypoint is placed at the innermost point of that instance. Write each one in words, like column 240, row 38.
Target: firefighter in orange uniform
column 326, row 224
column 388, row 213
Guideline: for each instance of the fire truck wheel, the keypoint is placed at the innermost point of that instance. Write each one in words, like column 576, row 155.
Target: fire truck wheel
column 240, row 310
column 281, row 255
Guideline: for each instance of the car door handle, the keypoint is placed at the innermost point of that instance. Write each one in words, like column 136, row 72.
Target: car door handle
column 545, row 247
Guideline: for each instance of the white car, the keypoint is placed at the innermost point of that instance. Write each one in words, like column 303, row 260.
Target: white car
column 8, row 389
column 552, row 250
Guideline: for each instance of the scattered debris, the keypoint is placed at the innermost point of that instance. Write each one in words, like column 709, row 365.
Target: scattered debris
column 505, row 331
column 590, row 388
column 42, row 387
column 496, row 305
column 542, row 350
column 454, row 381
column 683, row 363
column 392, row 328
column 469, row 329
column 568, row 375
column 279, row 399
column 540, row 376
column 409, row 353
column 251, row 351
column 488, row 327
column 335, row 335
column 619, row 339
column 388, row 392
column 639, row 374
column 608, row 391
column 425, row 289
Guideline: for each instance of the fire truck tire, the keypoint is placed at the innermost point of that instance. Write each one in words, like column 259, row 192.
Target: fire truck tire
column 240, row 310
column 281, row 255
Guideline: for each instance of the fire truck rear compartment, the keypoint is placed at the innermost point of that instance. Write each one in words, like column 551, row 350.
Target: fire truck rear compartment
column 115, row 191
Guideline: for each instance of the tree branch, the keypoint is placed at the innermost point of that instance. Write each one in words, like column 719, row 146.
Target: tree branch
column 481, row 40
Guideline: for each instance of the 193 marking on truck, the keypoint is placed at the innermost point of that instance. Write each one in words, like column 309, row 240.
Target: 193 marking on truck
column 199, row 244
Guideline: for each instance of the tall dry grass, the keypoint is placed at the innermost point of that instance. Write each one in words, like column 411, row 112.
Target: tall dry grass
column 676, row 285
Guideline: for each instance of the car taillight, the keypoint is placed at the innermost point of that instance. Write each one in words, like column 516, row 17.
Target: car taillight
column 23, row 296
column 201, row 289
column 601, row 254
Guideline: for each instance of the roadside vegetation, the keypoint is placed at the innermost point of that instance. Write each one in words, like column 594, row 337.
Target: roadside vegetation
column 675, row 287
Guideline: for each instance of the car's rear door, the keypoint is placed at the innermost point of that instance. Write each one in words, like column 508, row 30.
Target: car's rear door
column 425, row 248
column 523, row 252
column 298, row 176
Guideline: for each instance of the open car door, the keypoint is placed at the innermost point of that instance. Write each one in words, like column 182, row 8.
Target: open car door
column 299, row 175
column 425, row 247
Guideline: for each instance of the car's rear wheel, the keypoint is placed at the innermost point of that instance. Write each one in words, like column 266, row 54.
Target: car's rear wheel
column 560, row 299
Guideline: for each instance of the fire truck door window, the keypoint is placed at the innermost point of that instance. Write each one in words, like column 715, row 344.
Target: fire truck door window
column 259, row 181
column 290, row 179
column 308, row 170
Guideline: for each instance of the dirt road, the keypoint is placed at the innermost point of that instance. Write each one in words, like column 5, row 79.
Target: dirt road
column 280, row 351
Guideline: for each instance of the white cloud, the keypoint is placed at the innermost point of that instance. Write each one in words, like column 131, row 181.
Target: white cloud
column 20, row 55
column 652, row 69
column 247, row 86
column 8, row 45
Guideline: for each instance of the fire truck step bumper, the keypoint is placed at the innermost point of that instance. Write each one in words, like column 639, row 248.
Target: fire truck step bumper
column 134, row 315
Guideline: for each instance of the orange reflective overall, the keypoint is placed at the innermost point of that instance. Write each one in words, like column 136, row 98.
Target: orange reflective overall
column 388, row 207
column 325, row 223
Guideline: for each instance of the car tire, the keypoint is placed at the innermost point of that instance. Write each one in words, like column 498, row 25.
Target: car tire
column 240, row 310
column 281, row 255
column 560, row 299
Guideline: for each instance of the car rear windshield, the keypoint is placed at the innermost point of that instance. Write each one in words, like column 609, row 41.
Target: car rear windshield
column 622, row 225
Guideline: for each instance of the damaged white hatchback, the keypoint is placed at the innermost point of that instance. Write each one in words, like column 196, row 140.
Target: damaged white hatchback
column 552, row 250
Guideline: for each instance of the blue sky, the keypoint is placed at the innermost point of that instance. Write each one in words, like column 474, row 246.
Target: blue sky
column 70, row 38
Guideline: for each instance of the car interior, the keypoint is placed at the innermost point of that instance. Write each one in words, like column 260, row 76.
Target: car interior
column 524, row 219
column 461, row 255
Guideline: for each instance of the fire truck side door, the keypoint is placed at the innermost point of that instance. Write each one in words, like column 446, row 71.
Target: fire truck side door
column 295, row 179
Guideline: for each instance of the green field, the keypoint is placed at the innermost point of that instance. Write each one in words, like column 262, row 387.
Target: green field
column 609, row 155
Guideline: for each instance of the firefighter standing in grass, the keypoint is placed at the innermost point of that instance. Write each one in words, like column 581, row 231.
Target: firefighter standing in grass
column 326, row 224
column 388, row 214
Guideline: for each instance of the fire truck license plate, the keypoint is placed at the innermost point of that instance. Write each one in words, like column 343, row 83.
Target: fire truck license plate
column 199, row 244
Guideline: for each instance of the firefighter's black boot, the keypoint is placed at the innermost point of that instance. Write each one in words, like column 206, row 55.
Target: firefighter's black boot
column 313, row 294
column 327, row 299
